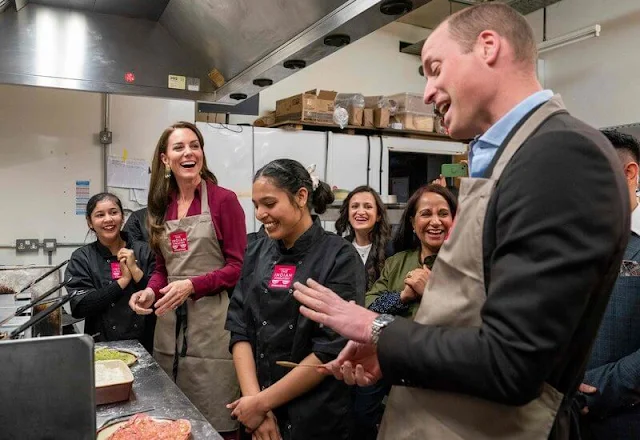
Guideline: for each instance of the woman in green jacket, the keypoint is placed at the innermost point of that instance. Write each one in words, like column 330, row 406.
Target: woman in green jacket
column 425, row 224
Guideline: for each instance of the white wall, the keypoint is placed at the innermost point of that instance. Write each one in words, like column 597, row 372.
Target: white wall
column 49, row 140
column 372, row 65
column 137, row 123
column 598, row 78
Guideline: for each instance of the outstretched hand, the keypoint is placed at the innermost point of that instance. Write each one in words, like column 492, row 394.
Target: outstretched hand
column 324, row 306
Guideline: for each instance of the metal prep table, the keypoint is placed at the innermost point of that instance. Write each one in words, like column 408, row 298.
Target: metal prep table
column 153, row 388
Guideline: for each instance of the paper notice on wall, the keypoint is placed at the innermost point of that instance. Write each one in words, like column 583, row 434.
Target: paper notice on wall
column 132, row 173
column 140, row 196
column 177, row 82
column 83, row 192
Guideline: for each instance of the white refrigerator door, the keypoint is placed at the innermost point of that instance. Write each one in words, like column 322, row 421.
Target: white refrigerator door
column 307, row 147
column 348, row 159
column 229, row 153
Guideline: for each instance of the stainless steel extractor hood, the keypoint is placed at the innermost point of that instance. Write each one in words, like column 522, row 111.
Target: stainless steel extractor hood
column 432, row 14
column 134, row 46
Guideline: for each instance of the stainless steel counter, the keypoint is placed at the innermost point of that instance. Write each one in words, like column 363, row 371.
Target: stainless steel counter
column 153, row 388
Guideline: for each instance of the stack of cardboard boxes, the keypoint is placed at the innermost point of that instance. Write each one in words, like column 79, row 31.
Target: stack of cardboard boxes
column 404, row 111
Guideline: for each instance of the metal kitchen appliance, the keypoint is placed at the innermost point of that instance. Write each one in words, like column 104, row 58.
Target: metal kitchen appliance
column 48, row 388
column 21, row 284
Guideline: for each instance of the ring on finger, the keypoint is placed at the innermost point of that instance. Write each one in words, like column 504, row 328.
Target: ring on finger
column 409, row 274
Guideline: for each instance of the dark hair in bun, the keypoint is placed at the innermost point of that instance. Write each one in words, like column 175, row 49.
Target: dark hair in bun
column 289, row 175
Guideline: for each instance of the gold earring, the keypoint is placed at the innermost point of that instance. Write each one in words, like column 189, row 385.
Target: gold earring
column 167, row 172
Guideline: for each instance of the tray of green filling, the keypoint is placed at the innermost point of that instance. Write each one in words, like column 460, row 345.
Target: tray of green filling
column 106, row 354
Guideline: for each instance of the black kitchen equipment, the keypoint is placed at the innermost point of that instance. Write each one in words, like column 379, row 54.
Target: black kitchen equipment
column 48, row 388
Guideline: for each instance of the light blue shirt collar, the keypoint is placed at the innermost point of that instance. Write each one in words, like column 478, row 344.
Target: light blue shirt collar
column 484, row 148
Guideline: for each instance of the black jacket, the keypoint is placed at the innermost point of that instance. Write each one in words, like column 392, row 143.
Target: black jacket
column 105, row 306
column 269, row 319
column 614, row 365
column 554, row 235
column 136, row 226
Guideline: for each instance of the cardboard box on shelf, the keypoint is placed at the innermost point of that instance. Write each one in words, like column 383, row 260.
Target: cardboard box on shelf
column 313, row 105
column 212, row 118
column 356, row 115
column 381, row 117
column 414, row 121
column 367, row 120
column 266, row 120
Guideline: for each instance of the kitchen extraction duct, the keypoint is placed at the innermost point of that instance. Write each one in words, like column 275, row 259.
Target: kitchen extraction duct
column 435, row 12
column 167, row 48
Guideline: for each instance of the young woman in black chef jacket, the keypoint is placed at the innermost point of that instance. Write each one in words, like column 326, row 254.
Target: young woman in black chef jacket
column 263, row 317
column 108, row 271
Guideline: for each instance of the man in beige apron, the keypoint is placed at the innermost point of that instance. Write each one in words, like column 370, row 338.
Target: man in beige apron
column 454, row 296
column 515, row 297
column 190, row 343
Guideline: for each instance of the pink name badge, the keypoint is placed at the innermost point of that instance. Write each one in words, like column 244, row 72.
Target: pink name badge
column 116, row 273
column 282, row 276
column 179, row 241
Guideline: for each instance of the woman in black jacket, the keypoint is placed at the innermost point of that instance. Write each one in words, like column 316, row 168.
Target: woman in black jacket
column 264, row 320
column 106, row 272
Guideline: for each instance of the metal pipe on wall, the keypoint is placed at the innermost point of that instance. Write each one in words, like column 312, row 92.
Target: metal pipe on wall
column 105, row 146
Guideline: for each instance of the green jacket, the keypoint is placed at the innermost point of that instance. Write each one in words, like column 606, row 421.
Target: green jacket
column 393, row 274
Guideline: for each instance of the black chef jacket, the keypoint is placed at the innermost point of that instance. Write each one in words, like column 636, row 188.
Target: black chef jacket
column 136, row 226
column 264, row 312
column 105, row 306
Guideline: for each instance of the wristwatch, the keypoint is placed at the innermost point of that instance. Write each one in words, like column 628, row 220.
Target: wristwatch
column 378, row 324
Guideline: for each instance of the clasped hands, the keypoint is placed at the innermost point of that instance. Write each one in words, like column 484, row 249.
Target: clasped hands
column 173, row 295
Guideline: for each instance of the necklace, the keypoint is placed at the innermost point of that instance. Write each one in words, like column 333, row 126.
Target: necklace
column 363, row 251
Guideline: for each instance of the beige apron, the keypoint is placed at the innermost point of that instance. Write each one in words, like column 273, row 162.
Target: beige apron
column 195, row 352
column 454, row 296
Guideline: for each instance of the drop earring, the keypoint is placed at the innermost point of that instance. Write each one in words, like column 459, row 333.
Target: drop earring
column 167, row 172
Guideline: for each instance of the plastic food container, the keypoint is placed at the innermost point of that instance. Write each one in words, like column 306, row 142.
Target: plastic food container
column 410, row 102
column 113, row 381
column 414, row 121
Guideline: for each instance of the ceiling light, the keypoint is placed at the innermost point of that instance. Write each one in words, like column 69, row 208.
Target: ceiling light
column 570, row 38
column 396, row 7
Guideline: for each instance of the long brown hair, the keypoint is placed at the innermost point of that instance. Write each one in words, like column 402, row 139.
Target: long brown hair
column 379, row 235
column 160, row 187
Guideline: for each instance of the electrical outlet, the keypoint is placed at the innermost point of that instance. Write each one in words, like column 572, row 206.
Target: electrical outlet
column 49, row 244
column 27, row 245
column 21, row 246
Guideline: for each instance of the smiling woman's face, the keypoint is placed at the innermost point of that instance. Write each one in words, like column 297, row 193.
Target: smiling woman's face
column 184, row 154
column 432, row 221
column 363, row 212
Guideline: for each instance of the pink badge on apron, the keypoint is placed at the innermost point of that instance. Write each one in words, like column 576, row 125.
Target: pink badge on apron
column 179, row 242
column 116, row 273
column 282, row 276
